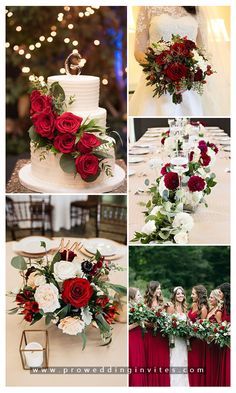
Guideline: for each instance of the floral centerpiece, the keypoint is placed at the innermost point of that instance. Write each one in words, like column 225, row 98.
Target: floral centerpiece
column 68, row 293
column 165, row 219
column 61, row 132
column 176, row 66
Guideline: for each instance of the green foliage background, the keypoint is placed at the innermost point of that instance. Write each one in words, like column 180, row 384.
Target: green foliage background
column 179, row 265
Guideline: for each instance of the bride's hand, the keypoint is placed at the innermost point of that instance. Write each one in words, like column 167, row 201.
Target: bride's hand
column 140, row 57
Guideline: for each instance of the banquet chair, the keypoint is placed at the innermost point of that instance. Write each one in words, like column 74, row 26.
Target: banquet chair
column 42, row 210
column 80, row 210
column 23, row 216
column 112, row 222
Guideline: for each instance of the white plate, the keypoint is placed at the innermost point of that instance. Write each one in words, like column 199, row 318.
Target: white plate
column 31, row 245
column 139, row 152
column 134, row 160
column 131, row 172
column 147, row 135
column 145, row 139
column 143, row 146
column 104, row 246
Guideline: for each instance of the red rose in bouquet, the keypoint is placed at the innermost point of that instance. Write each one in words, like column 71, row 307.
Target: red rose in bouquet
column 68, row 123
column 102, row 301
column 110, row 314
column 176, row 71
column 162, row 58
column 164, row 169
column 196, row 183
column 190, row 45
column 65, row 143
column 180, row 49
column 87, row 165
column 39, row 102
column 44, row 123
column 205, row 159
column 171, row 181
column 77, row 292
column 88, row 142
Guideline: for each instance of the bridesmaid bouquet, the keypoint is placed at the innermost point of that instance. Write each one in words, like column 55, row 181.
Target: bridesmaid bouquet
column 142, row 314
column 176, row 66
column 221, row 333
column 217, row 333
column 67, row 292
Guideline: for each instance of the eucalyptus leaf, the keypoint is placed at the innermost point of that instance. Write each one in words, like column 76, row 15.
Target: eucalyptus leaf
column 67, row 163
column 118, row 288
column 19, row 263
column 57, row 90
column 84, row 339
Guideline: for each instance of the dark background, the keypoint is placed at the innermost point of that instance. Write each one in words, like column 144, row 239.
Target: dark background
column 142, row 124
column 179, row 265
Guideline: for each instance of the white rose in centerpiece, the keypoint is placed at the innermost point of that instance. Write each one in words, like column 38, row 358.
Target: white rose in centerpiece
column 35, row 279
column 46, row 296
column 212, row 154
column 192, row 198
column 161, row 187
column 64, row 270
column 183, row 221
column 155, row 210
column 181, row 238
column 170, row 144
column 71, row 325
column 39, row 280
column 196, row 154
column 149, row 227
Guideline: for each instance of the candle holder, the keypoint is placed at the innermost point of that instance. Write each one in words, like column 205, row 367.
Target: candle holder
column 34, row 349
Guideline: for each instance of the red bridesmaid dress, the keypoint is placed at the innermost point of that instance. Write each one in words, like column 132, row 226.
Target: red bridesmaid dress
column 212, row 360
column 224, row 366
column 137, row 357
column 158, row 357
column 196, row 357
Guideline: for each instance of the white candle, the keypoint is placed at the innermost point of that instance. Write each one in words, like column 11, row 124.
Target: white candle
column 34, row 358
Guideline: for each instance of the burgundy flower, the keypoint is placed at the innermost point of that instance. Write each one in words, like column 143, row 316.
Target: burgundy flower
column 171, row 181
column 205, row 159
column 189, row 44
column 191, row 156
column 67, row 256
column 39, row 102
column 198, row 76
column 180, row 49
column 102, row 301
column 20, row 299
column 202, row 146
column 164, row 169
column 28, row 316
column 87, row 166
column 77, row 292
column 176, row 71
column 162, row 58
column 44, row 123
column 68, row 123
column 32, row 307
column 88, row 142
column 196, row 183
column 65, row 143
column 110, row 314
column 213, row 147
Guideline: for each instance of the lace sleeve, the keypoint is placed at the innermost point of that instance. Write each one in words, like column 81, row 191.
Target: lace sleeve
column 142, row 34
column 202, row 36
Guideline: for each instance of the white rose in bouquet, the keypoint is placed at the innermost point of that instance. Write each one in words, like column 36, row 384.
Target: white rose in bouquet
column 181, row 238
column 155, row 210
column 183, row 221
column 201, row 62
column 64, row 270
column 71, row 325
column 46, row 296
column 149, row 227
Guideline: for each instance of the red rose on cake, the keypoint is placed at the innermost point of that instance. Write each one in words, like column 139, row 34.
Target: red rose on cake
column 44, row 123
column 65, row 143
column 39, row 102
column 88, row 142
column 87, row 166
column 68, row 123
column 77, row 292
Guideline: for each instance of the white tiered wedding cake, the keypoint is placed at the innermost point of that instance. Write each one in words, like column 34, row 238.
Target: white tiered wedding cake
column 47, row 172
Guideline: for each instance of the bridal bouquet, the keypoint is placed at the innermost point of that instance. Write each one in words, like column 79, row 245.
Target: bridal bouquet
column 68, row 293
column 176, row 66
column 61, row 132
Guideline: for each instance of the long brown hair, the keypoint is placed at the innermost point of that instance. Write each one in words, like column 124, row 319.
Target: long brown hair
column 190, row 9
column 148, row 297
column 173, row 298
column 201, row 292
column 132, row 293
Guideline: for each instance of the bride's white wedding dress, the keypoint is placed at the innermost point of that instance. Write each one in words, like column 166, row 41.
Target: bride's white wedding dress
column 179, row 358
column 153, row 24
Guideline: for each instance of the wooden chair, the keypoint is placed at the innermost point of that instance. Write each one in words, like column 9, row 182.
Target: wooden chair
column 28, row 216
column 80, row 210
column 113, row 222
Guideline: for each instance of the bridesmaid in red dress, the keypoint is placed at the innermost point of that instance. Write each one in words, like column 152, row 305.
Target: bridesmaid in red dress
column 196, row 357
column 136, row 346
column 156, row 347
column 224, row 367
column 213, row 350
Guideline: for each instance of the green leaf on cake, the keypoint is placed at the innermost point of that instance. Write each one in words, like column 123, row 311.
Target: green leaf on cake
column 67, row 163
column 93, row 178
column 36, row 138
column 57, row 91
column 19, row 263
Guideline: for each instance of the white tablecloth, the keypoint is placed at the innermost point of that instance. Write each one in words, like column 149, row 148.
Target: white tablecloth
column 65, row 350
column 212, row 224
